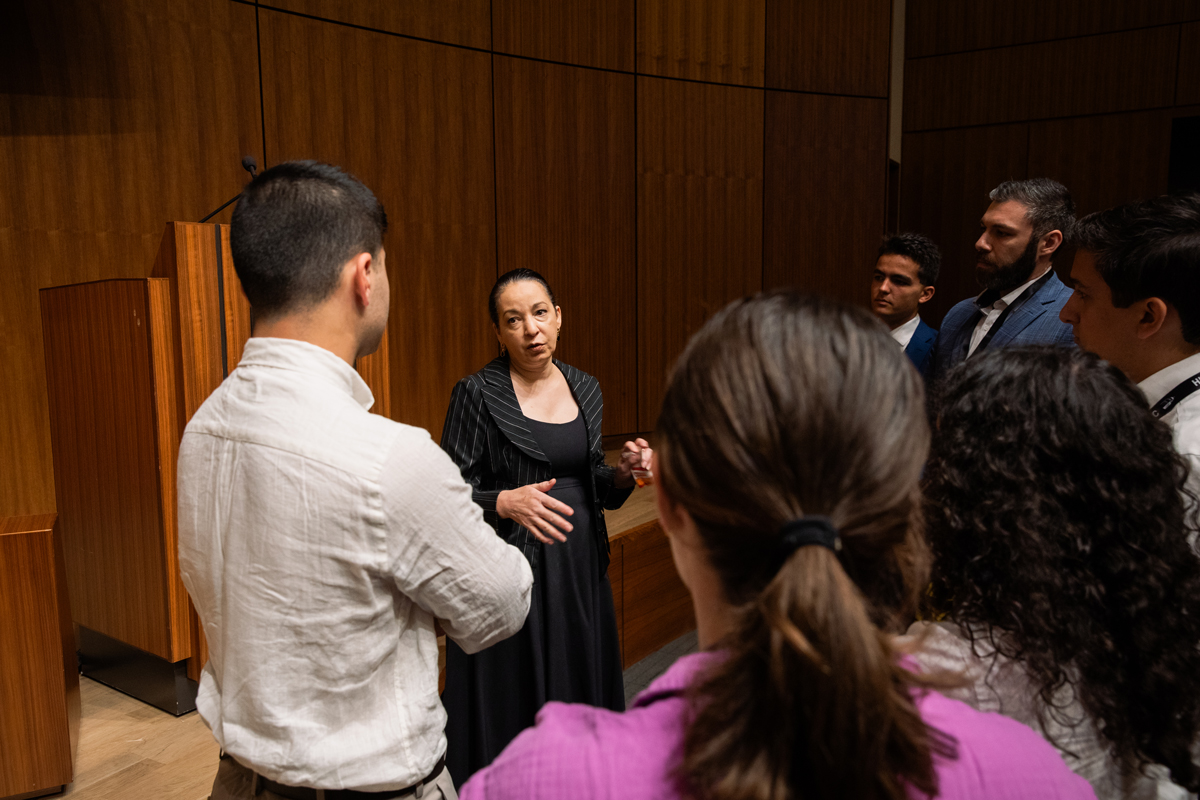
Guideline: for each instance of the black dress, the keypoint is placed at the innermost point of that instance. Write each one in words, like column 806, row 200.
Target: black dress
column 569, row 648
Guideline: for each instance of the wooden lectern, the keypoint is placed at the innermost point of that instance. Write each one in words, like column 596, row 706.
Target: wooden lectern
column 128, row 362
column 39, row 679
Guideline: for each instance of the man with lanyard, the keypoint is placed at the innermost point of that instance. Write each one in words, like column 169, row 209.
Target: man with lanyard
column 1023, row 228
column 1136, row 304
column 319, row 541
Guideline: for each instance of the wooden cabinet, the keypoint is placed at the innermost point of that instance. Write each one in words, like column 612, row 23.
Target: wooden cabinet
column 39, row 679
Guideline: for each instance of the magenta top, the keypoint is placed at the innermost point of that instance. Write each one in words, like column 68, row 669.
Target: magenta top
column 578, row 751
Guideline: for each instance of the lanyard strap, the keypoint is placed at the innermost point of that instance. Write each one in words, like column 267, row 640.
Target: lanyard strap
column 1173, row 397
column 1030, row 290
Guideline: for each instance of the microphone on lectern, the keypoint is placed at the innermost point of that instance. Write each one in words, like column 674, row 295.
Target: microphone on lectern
column 248, row 164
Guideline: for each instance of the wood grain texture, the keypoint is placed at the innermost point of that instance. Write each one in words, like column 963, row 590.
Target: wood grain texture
column 826, row 191
column 39, row 707
column 103, row 418
column 375, row 370
column 944, row 191
column 237, row 307
column 1011, row 84
column 700, row 183
column 115, row 116
column 1070, row 151
column 593, row 33
column 464, row 22
column 722, row 41
column 566, row 190
column 1187, row 90
column 834, row 48
column 427, row 154
column 951, row 26
column 657, row 608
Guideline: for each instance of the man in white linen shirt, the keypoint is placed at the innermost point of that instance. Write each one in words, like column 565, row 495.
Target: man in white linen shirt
column 1136, row 304
column 319, row 541
column 906, row 270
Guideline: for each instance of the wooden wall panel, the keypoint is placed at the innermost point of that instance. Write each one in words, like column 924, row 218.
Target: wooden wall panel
column 1105, row 160
column 1067, row 78
column 833, row 48
column 944, row 191
column 952, row 26
column 114, row 118
column 700, row 183
column 465, row 22
column 593, row 33
column 722, row 41
column 39, row 707
column 100, row 376
column 657, row 608
column 1188, row 89
column 427, row 154
column 565, row 183
column 825, row 192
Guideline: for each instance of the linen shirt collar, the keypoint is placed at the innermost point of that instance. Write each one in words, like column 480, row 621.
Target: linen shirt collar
column 293, row 354
column 1157, row 385
column 904, row 333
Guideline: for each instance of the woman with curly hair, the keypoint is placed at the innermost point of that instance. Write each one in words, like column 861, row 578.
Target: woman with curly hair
column 790, row 444
column 1061, row 563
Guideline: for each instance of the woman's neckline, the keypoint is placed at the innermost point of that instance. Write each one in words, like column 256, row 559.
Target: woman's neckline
column 572, row 421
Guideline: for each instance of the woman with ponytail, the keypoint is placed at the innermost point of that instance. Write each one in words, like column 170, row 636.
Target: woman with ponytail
column 790, row 445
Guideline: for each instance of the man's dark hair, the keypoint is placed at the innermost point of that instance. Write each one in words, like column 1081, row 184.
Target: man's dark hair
column 920, row 249
column 1048, row 205
column 294, row 227
column 1150, row 248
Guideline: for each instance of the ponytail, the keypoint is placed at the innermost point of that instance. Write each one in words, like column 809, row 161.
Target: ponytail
column 786, row 405
column 810, row 700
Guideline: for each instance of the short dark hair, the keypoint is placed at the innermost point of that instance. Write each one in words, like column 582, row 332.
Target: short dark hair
column 1150, row 248
column 920, row 249
column 1058, row 513
column 1048, row 205
column 294, row 227
column 510, row 277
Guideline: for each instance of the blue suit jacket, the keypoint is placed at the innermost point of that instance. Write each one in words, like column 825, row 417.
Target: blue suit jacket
column 920, row 347
column 1034, row 321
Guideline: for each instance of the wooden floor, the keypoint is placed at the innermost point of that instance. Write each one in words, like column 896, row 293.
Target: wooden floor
column 131, row 751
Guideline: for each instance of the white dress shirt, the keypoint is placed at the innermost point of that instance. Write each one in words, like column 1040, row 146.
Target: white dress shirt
column 319, row 542
column 904, row 333
column 1000, row 685
column 992, row 313
column 1184, row 418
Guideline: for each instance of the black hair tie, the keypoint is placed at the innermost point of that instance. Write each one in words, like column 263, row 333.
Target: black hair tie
column 803, row 531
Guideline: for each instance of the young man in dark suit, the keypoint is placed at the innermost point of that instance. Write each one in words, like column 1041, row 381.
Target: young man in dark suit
column 905, row 273
column 1025, row 225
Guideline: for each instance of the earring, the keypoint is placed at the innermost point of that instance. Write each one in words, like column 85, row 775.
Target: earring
column 503, row 350
column 558, row 333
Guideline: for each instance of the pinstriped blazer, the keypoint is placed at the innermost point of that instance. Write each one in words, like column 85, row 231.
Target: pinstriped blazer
column 486, row 435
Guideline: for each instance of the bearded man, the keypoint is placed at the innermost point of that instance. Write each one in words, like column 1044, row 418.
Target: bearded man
column 1023, row 228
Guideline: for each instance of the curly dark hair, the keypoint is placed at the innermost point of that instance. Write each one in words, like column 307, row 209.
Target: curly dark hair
column 1058, row 517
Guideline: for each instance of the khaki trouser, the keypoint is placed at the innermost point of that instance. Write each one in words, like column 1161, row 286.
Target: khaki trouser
column 235, row 782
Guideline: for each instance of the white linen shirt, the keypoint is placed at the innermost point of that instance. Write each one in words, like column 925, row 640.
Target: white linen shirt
column 319, row 542
column 904, row 333
column 1184, row 418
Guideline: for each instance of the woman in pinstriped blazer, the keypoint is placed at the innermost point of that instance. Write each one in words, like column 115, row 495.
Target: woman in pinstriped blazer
column 525, row 431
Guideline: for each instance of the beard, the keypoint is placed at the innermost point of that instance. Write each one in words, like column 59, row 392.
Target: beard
column 1005, row 277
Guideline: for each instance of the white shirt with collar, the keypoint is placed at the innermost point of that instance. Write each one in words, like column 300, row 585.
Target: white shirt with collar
column 992, row 313
column 904, row 333
column 1184, row 417
column 319, row 542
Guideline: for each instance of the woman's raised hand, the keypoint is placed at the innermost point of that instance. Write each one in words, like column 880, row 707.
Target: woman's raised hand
column 634, row 455
column 539, row 512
